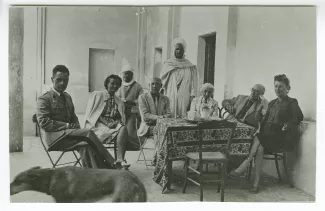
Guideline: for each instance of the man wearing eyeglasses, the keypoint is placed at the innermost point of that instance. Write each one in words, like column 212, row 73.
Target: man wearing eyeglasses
column 246, row 109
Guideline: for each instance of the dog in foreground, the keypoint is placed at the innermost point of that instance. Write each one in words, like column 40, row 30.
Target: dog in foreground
column 78, row 185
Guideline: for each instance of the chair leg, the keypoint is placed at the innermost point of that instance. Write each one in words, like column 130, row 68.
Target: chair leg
column 250, row 170
column 115, row 150
column 145, row 160
column 277, row 167
column 57, row 161
column 222, row 194
column 141, row 149
column 78, row 159
column 139, row 154
column 48, row 154
column 201, row 180
column 186, row 164
column 170, row 173
column 286, row 170
column 219, row 176
column 142, row 152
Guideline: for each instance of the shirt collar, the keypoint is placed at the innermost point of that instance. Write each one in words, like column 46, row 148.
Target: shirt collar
column 202, row 100
column 154, row 95
column 258, row 100
column 108, row 97
column 128, row 84
column 58, row 93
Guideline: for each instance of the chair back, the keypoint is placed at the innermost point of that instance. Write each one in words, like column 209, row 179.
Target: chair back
column 34, row 119
column 222, row 112
column 219, row 131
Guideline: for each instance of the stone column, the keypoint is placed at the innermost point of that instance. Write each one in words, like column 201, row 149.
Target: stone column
column 231, row 51
column 173, row 27
column 16, row 35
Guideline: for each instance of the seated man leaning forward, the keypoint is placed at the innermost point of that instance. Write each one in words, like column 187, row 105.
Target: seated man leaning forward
column 57, row 119
column 244, row 108
column 152, row 106
column 105, row 115
column 204, row 106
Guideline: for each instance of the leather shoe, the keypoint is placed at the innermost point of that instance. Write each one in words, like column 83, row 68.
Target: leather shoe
column 255, row 189
column 234, row 174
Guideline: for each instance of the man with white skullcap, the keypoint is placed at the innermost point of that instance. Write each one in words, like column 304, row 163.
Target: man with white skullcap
column 129, row 92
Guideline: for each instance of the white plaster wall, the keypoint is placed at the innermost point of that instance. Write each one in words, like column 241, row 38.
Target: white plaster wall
column 157, row 29
column 276, row 40
column 197, row 21
column 71, row 31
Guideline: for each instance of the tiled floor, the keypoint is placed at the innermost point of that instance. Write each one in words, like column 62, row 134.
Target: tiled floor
column 34, row 155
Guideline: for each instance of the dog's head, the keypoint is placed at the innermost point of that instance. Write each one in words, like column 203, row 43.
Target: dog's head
column 24, row 181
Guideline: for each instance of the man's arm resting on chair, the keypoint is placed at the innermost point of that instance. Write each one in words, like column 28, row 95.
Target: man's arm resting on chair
column 44, row 117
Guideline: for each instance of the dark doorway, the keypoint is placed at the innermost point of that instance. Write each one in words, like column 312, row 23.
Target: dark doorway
column 209, row 58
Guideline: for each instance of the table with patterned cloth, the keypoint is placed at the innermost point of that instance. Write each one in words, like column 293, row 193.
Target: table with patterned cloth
column 166, row 150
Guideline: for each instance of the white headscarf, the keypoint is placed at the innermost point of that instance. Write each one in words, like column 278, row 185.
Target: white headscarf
column 125, row 66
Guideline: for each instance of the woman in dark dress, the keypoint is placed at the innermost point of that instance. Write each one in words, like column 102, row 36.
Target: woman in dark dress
column 279, row 129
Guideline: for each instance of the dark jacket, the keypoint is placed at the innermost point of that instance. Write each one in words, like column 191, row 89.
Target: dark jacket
column 53, row 116
column 288, row 113
column 252, row 116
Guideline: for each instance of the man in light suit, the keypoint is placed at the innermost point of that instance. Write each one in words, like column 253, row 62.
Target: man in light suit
column 60, row 125
column 247, row 109
column 152, row 106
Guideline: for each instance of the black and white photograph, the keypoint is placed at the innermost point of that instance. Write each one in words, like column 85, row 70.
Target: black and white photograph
column 162, row 103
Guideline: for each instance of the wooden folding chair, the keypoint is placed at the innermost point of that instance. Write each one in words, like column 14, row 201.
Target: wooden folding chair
column 206, row 155
column 73, row 149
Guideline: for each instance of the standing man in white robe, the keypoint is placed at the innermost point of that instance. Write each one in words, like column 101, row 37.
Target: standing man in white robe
column 179, row 78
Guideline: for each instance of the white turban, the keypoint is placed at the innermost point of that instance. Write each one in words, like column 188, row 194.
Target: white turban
column 207, row 86
column 179, row 41
column 126, row 66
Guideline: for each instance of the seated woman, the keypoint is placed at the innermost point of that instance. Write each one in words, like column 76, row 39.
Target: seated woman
column 105, row 116
column 204, row 106
column 279, row 129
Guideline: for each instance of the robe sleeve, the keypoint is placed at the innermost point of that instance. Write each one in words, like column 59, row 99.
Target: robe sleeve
column 194, row 81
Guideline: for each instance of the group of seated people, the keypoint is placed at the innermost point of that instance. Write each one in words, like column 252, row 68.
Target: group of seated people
column 109, row 115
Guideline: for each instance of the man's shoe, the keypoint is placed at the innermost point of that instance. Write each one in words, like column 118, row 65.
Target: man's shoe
column 234, row 174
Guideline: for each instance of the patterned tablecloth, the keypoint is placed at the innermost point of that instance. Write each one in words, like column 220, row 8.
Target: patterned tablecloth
column 181, row 144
